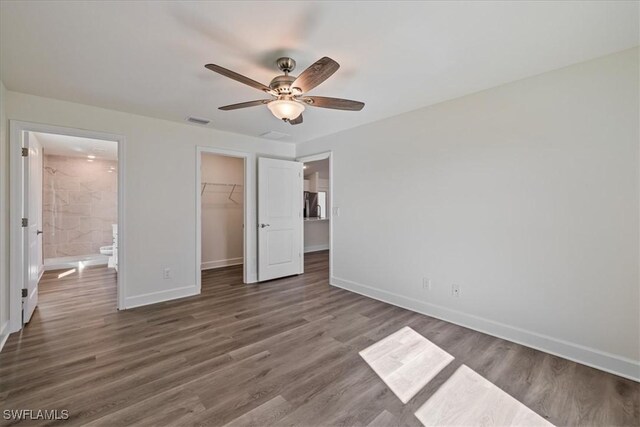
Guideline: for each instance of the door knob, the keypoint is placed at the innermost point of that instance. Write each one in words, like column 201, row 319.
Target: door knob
column 39, row 232
column 264, row 225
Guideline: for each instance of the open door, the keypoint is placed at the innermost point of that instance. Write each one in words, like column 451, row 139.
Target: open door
column 280, row 239
column 32, row 227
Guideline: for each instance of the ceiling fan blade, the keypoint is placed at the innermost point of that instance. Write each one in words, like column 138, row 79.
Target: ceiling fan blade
column 334, row 103
column 245, row 104
column 239, row 78
column 318, row 72
column 296, row 121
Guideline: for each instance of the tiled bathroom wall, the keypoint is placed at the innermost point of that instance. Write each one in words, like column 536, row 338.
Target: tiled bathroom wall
column 79, row 205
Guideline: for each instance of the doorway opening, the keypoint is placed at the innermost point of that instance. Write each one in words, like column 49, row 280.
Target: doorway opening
column 222, row 196
column 67, row 201
column 79, row 215
column 317, row 203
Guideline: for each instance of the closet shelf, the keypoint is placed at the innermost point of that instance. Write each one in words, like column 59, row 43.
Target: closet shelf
column 220, row 187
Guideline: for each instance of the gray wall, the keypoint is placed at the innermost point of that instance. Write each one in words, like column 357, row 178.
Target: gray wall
column 524, row 195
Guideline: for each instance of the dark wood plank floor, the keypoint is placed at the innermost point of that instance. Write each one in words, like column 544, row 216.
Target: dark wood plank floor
column 283, row 352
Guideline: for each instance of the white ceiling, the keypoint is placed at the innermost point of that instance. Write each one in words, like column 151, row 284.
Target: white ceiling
column 63, row 145
column 148, row 57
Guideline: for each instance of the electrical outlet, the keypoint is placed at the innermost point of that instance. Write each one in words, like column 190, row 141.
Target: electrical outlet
column 426, row 283
column 167, row 273
column 455, row 290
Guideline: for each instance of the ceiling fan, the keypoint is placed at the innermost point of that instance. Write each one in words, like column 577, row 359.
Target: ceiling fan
column 288, row 92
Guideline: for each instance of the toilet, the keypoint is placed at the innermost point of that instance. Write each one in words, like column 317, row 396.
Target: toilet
column 106, row 250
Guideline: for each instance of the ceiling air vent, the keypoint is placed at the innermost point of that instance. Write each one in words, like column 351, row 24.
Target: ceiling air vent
column 198, row 121
column 274, row 135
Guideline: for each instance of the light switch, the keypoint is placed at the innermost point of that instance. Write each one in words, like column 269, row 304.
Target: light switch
column 336, row 211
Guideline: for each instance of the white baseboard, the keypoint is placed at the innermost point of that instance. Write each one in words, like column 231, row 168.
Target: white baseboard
column 160, row 296
column 316, row 248
column 4, row 334
column 208, row 265
column 607, row 362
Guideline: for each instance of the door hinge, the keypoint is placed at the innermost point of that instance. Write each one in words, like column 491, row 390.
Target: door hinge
column 24, row 293
column 25, row 222
column 25, row 152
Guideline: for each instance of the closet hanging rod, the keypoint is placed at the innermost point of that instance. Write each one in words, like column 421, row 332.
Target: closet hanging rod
column 233, row 188
column 221, row 183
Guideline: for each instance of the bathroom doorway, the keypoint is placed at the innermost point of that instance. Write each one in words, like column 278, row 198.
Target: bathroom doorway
column 79, row 222
column 222, row 197
column 66, row 192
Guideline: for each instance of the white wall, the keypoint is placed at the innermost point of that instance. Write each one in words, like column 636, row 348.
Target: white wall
column 222, row 218
column 525, row 195
column 4, row 217
column 160, row 176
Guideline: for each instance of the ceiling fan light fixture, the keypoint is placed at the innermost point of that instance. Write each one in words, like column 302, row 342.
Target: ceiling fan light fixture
column 288, row 90
column 285, row 109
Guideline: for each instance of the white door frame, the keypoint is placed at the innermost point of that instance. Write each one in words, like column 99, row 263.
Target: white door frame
column 312, row 158
column 16, row 185
column 249, row 232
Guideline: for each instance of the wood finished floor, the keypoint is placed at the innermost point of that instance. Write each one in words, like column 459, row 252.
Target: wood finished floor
column 281, row 353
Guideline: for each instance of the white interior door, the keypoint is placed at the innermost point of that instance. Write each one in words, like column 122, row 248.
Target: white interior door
column 280, row 239
column 33, row 262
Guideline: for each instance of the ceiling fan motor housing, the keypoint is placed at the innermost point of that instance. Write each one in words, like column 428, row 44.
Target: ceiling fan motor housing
column 282, row 84
column 286, row 64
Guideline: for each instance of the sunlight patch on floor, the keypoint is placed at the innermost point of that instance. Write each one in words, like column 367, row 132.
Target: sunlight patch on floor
column 406, row 361
column 468, row 399
column 66, row 273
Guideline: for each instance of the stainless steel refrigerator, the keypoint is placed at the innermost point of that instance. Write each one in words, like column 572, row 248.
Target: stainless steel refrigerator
column 310, row 204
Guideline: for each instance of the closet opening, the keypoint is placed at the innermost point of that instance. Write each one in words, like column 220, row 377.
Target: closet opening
column 222, row 216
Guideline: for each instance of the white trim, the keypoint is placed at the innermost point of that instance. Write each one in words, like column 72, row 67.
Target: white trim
column 321, row 156
column 607, row 362
column 16, row 183
column 160, row 296
column 315, row 158
column 250, row 234
column 208, row 265
column 4, row 334
column 316, row 248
